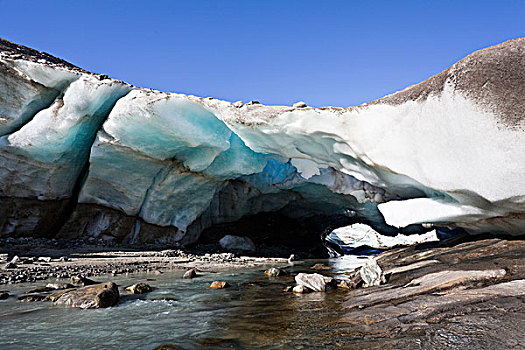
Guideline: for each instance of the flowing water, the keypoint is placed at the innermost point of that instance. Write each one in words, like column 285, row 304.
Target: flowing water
column 254, row 313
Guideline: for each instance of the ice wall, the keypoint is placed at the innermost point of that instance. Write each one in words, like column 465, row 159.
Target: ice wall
column 84, row 155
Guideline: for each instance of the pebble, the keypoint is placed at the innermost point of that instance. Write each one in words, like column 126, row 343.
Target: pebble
column 321, row 267
column 219, row 284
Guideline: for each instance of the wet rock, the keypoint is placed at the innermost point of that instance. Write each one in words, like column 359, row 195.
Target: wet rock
column 443, row 282
column 330, row 282
column 447, row 279
column 371, row 274
column 4, row 295
column 312, row 281
column 437, row 307
column 354, row 281
column 355, row 278
column 321, row 267
column 59, row 285
column 237, row 243
column 300, row 104
column 219, row 285
column 32, row 297
column 82, row 281
column 274, row 272
column 192, row 273
column 300, row 289
column 343, row 284
column 139, row 288
column 54, row 296
column 92, row 297
column 410, row 267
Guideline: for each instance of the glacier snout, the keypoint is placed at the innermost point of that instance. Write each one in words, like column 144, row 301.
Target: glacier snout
column 84, row 155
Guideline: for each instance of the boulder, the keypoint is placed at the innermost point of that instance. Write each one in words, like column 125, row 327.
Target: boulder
column 237, row 243
column 139, row 288
column 371, row 274
column 300, row 289
column 4, row 295
column 274, row 272
column 219, row 284
column 190, row 274
column 312, row 281
column 92, row 297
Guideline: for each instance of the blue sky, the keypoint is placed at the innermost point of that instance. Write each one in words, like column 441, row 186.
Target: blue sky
column 324, row 52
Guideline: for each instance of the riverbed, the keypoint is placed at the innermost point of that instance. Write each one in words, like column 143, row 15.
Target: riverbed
column 255, row 312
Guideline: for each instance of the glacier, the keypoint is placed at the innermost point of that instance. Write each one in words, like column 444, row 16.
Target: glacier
column 83, row 155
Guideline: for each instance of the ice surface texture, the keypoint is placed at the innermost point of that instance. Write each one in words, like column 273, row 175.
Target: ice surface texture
column 134, row 163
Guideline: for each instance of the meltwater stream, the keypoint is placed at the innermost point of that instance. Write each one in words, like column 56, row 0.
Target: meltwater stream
column 254, row 313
